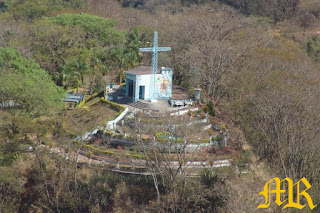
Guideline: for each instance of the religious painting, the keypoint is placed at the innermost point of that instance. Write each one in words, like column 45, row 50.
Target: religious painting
column 164, row 84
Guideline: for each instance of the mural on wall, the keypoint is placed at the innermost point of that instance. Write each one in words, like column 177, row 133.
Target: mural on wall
column 164, row 86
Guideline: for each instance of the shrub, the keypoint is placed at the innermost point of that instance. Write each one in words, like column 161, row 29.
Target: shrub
column 114, row 106
column 206, row 140
column 220, row 138
column 205, row 108
column 210, row 131
column 211, row 109
column 313, row 46
column 223, row 127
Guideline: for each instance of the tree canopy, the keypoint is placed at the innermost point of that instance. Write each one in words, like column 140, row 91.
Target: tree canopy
column 26, row 84
column 96, row 27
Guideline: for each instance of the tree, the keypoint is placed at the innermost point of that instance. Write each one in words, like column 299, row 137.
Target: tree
column 277, row 107
column 73, row 73
column 26, row 85
column 208, row 45
column 278, row 10
column 72, row 53
column 127, row 56
column 5, row 5
column 95, row 27
column 170, row 162
column 31, row 10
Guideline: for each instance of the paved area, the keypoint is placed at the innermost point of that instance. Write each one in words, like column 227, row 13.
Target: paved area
column 159, row 106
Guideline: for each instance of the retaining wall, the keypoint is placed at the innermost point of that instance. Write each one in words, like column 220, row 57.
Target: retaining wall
column 112, row 124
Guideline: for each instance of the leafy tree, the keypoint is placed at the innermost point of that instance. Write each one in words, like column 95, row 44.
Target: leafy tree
column 72, row 47
column 64, row 50
column 98, row 84
column 133, row 42
column 211, row 109
column 73, row 73
column 128, row 56
column 95, row 27
column 30, row 10
column 27, row 85
column 5, row 5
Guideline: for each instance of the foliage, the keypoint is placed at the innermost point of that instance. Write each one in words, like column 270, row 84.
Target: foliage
column 277, row 10
column 71, row 49
column 209, row 177
column 72, row 74
column 211, row 109
column 264, row 83
column 5, row 5
column 127, row 56
column 313, row 46
column 144, row 4
column 132, row 3
column 27, row 85
column 115, row 106
column 30, row 10
column 95, row 27
column 98, row 84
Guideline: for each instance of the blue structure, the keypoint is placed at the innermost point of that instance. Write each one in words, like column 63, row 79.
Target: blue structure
column 139, row 81
column 150, row 83
column 73, row 98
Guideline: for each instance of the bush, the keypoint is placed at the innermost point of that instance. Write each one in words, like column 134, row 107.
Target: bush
column 224, row 127
column 313, row 46
column 210, row 132
column 114, row 106
column 206, row 140
column 220, row 138
column 211, row 109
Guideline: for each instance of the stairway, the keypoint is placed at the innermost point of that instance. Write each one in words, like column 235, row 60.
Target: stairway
column 139, row 105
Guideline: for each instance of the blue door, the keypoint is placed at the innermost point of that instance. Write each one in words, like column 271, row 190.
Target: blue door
column 141, row 92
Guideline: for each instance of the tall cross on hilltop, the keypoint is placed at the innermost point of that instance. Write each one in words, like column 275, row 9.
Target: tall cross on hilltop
column 155, row 49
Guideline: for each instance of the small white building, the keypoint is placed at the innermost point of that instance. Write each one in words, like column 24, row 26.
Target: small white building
column 139, row 83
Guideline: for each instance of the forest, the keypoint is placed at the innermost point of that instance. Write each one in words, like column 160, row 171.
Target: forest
column 256, row 61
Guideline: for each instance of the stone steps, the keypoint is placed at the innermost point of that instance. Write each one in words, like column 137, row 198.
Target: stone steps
column 139, row 105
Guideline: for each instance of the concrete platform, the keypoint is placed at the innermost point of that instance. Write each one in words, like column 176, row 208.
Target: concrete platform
column 159, row 106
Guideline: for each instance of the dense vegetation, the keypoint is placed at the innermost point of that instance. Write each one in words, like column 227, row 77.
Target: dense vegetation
column 256, row 61
column 25, row 84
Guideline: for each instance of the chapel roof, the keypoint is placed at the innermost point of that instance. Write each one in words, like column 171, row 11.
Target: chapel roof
column 141, row 70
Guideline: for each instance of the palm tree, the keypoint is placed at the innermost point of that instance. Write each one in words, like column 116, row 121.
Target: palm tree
column 132, row 45
column 72, row 74
column 118, row 54
column 128, row 56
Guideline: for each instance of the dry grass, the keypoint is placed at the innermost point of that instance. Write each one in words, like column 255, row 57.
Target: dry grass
column 81, row 120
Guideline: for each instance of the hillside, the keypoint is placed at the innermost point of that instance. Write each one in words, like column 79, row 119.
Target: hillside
column 256, row 62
